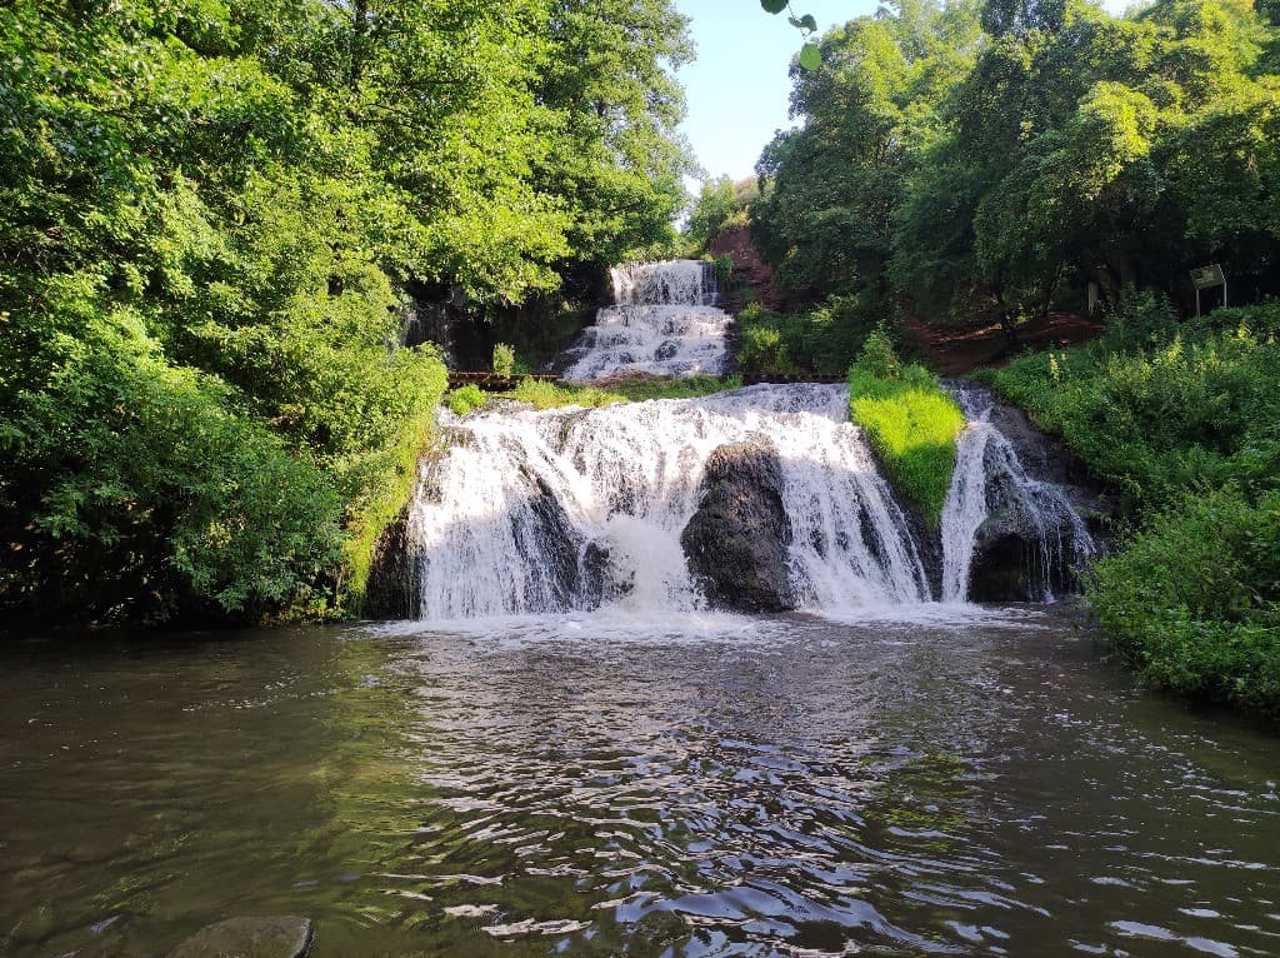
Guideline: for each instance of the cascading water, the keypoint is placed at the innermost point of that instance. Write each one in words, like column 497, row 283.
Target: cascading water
column 552, row 511
column 989, row 477
column 573, row 509
column 665, row 322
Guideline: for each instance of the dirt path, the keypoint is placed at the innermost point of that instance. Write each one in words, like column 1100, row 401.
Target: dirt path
column 954, row 351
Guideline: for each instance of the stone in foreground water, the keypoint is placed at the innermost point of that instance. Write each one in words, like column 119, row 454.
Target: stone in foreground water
column 281, row 936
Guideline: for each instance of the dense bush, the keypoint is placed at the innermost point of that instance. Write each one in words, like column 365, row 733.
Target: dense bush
column 822, row 341
column 1194, row 601
column 208, row 215
column 547, row 395
column 910, row 421
column 144, row 493
column 1198, row 405
column 504, row 359
column 464, row 399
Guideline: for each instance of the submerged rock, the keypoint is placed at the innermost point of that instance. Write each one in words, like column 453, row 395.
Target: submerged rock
column 280, row 936
column 737, row 541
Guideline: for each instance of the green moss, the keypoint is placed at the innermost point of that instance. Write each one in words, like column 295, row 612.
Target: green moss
column 547, row 395
column 910, row 422
column 386, row 482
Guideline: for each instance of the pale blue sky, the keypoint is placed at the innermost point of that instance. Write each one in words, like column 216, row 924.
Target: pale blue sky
column 738, row 86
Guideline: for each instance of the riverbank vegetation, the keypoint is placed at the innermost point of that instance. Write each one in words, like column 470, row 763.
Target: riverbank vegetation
column 981, row 165
column 213, row 218
column 911, row 422
column 1183, row 420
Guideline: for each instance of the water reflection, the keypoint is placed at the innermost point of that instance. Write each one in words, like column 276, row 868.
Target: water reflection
column 793, row 786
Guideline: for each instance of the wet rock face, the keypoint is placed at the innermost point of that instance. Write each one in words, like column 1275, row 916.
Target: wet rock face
column 282, row 936
column 1028, row 547
column 737, row 541
column 392, row 590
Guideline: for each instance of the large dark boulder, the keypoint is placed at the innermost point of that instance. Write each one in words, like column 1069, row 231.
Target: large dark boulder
column 737, row 541
column 283, row 936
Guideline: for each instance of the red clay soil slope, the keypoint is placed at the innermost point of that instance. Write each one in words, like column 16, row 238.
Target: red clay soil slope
column 748, row 268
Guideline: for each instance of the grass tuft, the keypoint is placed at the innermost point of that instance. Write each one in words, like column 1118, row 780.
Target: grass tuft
column 911, row 423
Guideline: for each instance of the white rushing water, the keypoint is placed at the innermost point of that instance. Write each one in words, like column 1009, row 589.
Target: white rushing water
column 665, row 323
column 987, row 469
column 535, row 512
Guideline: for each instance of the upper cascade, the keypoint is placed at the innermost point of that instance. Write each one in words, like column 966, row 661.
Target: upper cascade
column 677, row 282
column 664, row 323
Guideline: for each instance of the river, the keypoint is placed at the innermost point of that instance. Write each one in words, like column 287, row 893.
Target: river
column 965, row 782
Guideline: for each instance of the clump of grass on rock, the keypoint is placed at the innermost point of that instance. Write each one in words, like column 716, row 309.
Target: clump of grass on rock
column 910, row 422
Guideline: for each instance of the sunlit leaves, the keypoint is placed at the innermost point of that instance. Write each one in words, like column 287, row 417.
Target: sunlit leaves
column 810, row 55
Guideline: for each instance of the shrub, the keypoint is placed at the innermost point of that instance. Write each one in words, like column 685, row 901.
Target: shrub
column 504, row 360
column 465, row 398
column 1199, row 409
column 823, row 341
column 1184, row 420
column 137, row 492
column 761, row 350
column 1193, row 602
column 910, row 422
column 724, row 269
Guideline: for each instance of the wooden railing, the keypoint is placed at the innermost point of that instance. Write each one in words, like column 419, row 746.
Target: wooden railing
column 493, row 383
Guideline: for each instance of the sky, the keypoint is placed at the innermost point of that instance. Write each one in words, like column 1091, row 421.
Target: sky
column 737, row 88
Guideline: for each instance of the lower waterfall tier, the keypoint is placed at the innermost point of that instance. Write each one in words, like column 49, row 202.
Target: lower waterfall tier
column 761, row 499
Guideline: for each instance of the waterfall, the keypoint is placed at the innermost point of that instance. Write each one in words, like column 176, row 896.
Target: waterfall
column 581, row 509
column 559, row 510
column 665, row 323
column 990, row 477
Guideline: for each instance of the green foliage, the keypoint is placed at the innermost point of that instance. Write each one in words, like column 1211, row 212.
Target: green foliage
column 722, row 204
column 822, row 341
column 188, row 503
column 1194, row 601
column 465, row 398
column 214, row 211
column 724, row 269
column 682, row 387
column 547, row 395
column 392, row 478
column 1154, row 418
column 504, row 359
column 910, row 421
column 809, row 57
column 989, row 161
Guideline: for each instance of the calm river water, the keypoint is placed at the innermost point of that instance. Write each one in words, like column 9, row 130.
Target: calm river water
column 791, row 786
